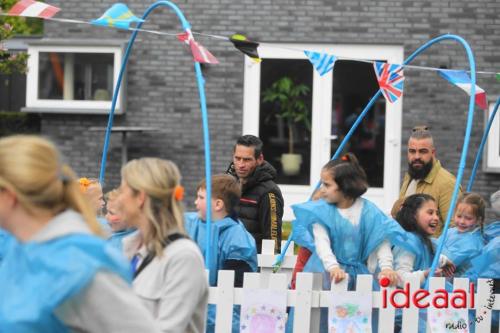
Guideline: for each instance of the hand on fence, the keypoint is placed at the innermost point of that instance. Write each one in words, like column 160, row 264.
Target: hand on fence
column 389, row 274
column 448, row 269
column 337, row 274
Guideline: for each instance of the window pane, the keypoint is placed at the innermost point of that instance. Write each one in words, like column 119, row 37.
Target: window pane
column 90, row 76
column 285, row 122
column 354, row 85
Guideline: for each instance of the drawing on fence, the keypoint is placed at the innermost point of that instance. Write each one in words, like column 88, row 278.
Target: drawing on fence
column 448, row 320
column 350, row 312
column 263, row 311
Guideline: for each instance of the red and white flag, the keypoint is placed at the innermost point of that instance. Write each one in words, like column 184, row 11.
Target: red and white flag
column 200, row 53
column 32, row 8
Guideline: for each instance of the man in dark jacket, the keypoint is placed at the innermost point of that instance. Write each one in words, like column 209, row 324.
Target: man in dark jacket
column 261, row 203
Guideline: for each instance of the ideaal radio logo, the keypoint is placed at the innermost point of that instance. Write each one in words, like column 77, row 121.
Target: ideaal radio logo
column 440, row 299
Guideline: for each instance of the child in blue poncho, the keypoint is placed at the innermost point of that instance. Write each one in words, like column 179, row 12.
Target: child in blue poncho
column 232, row 247
column 119, row 228
column 465, row 241
column 345, row 233
column 418, row 216
column 57, row 276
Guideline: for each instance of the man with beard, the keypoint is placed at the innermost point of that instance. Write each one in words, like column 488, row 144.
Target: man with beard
column 426, row 175
column 261, row 203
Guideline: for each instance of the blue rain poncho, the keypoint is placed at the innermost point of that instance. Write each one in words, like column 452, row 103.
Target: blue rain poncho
column 487, row 264
column 461, row 247
column 423, row 260
column 230, row 241
column 6, row 242
column 351, row 245
column 491, row 230
column 116, row 238
column 37, row 277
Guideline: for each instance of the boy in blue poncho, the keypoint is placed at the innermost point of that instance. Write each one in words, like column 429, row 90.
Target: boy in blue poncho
column 118, row 226
column 231, row 245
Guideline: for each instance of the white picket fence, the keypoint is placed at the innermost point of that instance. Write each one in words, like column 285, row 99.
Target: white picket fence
column 308, row 298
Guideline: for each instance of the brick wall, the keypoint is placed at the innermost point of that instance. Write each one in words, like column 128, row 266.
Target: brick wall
column 162, row 91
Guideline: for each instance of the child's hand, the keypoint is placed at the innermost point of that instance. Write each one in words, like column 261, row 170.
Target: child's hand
column 389, row 274
column 337, row 274
column 449, row 269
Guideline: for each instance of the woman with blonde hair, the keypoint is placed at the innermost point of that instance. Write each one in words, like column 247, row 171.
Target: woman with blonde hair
column 58, row 276
column 169, row 271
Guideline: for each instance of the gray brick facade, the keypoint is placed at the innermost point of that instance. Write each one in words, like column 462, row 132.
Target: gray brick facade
column 162, row 92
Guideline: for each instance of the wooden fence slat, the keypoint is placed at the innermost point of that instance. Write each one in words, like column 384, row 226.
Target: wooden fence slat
column 225, row 301
column 483, row 295
column 410, row 315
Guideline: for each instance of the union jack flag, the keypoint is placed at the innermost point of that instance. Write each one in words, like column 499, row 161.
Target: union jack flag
column 200, row 53
column 321, row 61
column 390, row 80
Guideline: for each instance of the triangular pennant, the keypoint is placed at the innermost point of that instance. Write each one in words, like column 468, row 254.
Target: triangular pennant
column 32, row 8
column 246, row 46
column 118, row 16
column 199, row 52
column 321, row 61
column 462, row 80
column 390, row 80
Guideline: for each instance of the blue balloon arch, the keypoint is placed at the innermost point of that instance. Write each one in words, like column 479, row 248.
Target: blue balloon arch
column 203, row 104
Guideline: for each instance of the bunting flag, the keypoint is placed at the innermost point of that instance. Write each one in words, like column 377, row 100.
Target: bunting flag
column 246, row 46
column 200, row 53
column 32, row 8
column 497, row 76
column 462, row 80
column 321, row 61
column 118, row 16
column 390, row 80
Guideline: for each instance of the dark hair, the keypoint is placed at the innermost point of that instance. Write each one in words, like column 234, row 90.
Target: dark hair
column 225, row 188
column 348, row 174
column 421, row 132
column 250, row 141
column 407, row 216
column 478, row 205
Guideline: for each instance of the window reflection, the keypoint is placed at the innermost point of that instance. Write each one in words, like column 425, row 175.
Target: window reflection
column 280, row 136
column 354, row 84
column 75, row 76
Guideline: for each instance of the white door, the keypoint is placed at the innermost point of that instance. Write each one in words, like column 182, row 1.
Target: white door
column 334, row 100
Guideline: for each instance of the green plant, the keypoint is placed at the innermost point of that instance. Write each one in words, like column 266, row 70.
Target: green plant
column 288, row 98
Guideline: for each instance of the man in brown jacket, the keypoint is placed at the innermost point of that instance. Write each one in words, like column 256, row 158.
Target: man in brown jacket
column 426, row 175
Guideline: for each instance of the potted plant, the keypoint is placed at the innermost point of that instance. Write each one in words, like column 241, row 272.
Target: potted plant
column 290, row 106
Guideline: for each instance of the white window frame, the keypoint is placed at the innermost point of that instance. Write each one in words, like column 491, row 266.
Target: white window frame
column 35, row 104
column 320, row 145
column 491, row 153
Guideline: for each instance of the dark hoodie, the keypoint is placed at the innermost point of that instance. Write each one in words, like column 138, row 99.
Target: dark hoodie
column 261, row 205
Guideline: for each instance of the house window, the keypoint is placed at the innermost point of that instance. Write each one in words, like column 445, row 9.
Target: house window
column 73, row 79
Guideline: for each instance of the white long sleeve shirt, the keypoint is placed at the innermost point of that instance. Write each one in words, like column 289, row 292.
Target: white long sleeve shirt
column 404, row 266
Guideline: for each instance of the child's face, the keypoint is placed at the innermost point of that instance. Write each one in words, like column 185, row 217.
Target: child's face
column 427, row 217
column 95, row 196
column 201, row 203
column 114, row 219
column 465, row 220
column 329, row 189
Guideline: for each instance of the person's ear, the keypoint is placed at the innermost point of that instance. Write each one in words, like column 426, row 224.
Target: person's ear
column 141, row 198
column 218, row 205
column 260, row 159
column 8, row 198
